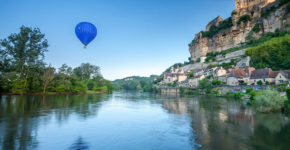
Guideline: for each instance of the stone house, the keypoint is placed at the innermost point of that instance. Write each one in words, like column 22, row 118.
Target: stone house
column 282, row 77
column 193, row 82
column 265, row 75
column 236, row 77
column 219, row 72
column 175, row 74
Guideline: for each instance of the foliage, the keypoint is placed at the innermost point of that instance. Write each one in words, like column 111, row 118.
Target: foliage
column 223, row 25
column 190, row 75
column 267, row 83
column 204, row 85
column 249, row 90
column 287, row 102
column 23, row 70
column 288, row 93
column 244, row 19
column 274, row 54
column 259, row 82
column 269, row 101
column 216, row 82
column 234, row 13
column 257, row 28
column 136, row 83
column 190, row 92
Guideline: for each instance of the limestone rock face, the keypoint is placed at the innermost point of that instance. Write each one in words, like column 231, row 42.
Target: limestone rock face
column 235, row 35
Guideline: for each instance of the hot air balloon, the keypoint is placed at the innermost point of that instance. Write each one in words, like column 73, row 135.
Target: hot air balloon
column 86, row 32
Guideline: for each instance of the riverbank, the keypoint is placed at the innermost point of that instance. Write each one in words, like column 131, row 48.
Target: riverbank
column 57, row 93
column 266, row 100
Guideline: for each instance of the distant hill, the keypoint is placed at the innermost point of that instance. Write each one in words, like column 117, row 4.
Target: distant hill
column 135, row 83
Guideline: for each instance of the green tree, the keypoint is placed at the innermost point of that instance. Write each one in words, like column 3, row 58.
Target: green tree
column 269, row 101
column 259, row 82
column 47, row 77
column 274, row 54
column 204, row 85
column 22, row 51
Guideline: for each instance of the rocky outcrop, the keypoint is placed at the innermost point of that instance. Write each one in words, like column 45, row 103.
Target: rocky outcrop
column 248, row 17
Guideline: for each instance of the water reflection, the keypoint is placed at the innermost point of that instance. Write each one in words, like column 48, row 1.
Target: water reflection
column 136, row 120
column 20, row 116
column 79, row 144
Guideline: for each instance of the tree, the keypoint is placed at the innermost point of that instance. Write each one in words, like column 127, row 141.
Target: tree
column 274, row 53
column 47, row 77
column 22, row 51
column 259, row 82
column 86, row 71
column 204, row 84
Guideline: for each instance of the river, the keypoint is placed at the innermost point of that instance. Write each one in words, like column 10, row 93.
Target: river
column 137, row 121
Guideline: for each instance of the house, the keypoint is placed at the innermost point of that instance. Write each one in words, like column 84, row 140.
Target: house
column 236, row 77
column 193, row 82
column 266, row 75
column 198, row 72
column 175, row 74
column 219, row 72
column 282, row 77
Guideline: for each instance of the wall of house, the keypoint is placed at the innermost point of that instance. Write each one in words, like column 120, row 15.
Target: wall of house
column 280, row 79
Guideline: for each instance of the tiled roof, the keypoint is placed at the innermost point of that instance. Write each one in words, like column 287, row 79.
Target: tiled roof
column 285, row 73
column 239, row 73
column 263, row 73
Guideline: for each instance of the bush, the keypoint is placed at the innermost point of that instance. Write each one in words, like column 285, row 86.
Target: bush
column 190, row 92
column 288, row 93
column 260, row 82
column 223, row 25
column 216, row 82
column 234, row 13
column 269, row 101
column 245, row 19
column 257, row 28
column 249, row 90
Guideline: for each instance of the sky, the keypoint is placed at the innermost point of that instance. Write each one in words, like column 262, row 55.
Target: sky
column 135, row 37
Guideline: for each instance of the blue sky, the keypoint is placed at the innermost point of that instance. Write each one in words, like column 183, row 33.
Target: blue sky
column 135, row 37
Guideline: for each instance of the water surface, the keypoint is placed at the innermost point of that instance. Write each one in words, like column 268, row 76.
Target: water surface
column 134, row 121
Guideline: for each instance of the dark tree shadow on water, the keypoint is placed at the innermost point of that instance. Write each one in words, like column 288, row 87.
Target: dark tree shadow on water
column 79, row 144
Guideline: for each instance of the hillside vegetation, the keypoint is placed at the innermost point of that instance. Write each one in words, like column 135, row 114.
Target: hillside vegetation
column 135, row 83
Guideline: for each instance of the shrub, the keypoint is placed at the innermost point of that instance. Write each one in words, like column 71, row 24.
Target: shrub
column 245, row 19
column 257, row 28
column 260, row 82
column 288, row 93
column 234, row 13
column 223, row 25
column 249, row 90
column 190, row 92
column 267, row 83
column 269, row 101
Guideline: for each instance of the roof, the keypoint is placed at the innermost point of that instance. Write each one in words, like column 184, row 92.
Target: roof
column 285, row 73
column 263, row 73
column 239, row 73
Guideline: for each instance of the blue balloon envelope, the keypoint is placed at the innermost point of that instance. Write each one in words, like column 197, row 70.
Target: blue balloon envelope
column 86, row 32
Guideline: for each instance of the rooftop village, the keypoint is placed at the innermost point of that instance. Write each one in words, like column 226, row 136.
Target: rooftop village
column 232, row 76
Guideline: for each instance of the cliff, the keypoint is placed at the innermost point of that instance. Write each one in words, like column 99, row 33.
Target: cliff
column 251, row 17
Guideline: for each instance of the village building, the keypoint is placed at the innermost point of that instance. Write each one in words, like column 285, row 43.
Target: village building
column 219, row 72
column 193, row 82
column 236, row 77
column 266, row 75
column 175, row 74
column 282, row 77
